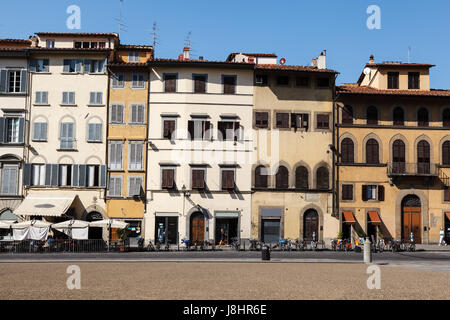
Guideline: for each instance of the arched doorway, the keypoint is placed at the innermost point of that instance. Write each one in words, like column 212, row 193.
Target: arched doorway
column 411, row 218
column 310, row 225
column 197, row 232
column 94, row 233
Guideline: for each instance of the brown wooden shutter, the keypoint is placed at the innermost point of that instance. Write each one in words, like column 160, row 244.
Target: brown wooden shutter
column 168, row 178
column 323, row 121
column 199, row 84
column 166, row 129
column 198, row 179
column 170, row 83
column 229, row 84
column 236, row 127
column 301, row 178
column 294, row 120
column 380, row 193
column 347, row 151
column 191, row 129
column 446, row 153
column 364, row 193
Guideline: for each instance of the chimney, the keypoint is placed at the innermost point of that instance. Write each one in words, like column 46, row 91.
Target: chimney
column 314, row 63
column 186, row 55
column 200, row 58
column 371, row 59
column 34, row 41
column 322, row 60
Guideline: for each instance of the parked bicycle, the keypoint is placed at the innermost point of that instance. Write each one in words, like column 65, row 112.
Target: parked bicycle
column 235, row 244
column 255, row 245
column 187, row 244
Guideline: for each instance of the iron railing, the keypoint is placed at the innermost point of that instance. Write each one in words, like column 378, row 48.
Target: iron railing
column 53, row 246
column 412, row 169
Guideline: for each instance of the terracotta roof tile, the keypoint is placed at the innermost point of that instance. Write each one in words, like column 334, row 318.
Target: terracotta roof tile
column 355, row 89
column 15, row 41
column 79, row 34
column 132, row 46
column 292, row 68
column 267, row 55
column 399, row 64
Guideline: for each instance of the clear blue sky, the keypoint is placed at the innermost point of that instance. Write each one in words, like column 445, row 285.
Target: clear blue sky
column 295, row 29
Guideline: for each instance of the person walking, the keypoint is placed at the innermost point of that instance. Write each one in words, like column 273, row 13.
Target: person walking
column 441, row 237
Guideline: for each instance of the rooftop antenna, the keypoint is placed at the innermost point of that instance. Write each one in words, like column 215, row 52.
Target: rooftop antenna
column 122, row 26
column 409, row 54
column 188, row 43
column 154, row 34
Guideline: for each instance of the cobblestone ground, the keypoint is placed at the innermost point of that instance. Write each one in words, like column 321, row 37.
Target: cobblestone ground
column 173, row 280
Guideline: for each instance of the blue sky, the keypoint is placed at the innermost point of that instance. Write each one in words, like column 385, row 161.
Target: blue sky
column 294, row 29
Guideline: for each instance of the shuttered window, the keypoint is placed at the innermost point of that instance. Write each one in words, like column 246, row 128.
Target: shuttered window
column 261, row 177
column 72, row 66
column 14, row 81
column 372, row 152
column 261, row 120
column 65, row 175
column 282, row 120
column 39, row 65
column 300, row 120
column 116, row 113
column 67, row 136
column 228, row 130
column 199, row 83
column 301, row 178
column 9, row 180
column 115, row 155
column 170, row 83
column 413, row 80
column 228, row 181
column 40, row 131
column 372, row 115
column 347, row 192
column 41, row 97
column 137, row 81
column 323, row 121
column 118, row 80
column 95, row 132
column 96, row 98
column 135, row 149
column 372, row 192
column 115, row 186
column 198, row 178
column 282, row 178
column 347, row 151
column 199, row 129
column 95, row 66
column 393, row 80
column 168, row 128
column 133, row 56
column 38, row 175
column 322, row 178
column 398, row 151
column 12, row 130
column 68, row 98
column 229, row 84
column 137, row 113
column 168, row 178
column 134, row 186
column 446, row 153
column 446, row 194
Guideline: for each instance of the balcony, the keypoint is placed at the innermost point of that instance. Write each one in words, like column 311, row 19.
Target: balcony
column 401, row 169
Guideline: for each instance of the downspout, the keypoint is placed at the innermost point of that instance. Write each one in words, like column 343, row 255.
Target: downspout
column 108, row 86
column 27, row 129
column 146, row 149
column 335, row 151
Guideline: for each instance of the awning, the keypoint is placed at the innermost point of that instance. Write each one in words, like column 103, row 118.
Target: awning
column 374, row 218
column 448, row 215
column 349, row 218
column 45, row 207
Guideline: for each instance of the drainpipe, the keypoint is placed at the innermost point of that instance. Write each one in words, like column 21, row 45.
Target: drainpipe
column 335, row 175
column 27, row 128
column 108, row 75
column 143, row 227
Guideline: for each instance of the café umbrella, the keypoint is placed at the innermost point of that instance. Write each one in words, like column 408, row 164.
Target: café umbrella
column 5, row 224
column 31, row 230
column 75, row 229
column 109, row 223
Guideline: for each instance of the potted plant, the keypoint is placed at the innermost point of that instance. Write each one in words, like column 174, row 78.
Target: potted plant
column 123, row 235
column 340, row 235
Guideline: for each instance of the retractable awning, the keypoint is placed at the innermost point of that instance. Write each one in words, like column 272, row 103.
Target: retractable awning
column 348, row 217
column 374, row 218
column 44, row 206
column 448, row 215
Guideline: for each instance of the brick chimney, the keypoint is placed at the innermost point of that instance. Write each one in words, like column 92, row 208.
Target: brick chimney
column 186, row 53
column 371, row 59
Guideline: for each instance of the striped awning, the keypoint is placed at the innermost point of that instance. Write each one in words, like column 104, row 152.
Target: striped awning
column 44, row 206
column 348, row 217
column 374, row 218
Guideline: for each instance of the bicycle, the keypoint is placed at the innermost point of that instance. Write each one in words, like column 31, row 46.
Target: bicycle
column 187, row 244
column 255, row 245
column 235, row 244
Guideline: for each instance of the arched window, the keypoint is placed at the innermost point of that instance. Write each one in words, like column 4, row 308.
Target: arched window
column 261, row 177
column 422, row 118
column 446, row 118
column 282, row 178
column 347, row 114
column 323, row 178
column 347, row 151
column 372, row 151
column 301, row 178
column 423, row 157
column 398, row 156
column 372, row 115
column 446, row 153
column 399, row 117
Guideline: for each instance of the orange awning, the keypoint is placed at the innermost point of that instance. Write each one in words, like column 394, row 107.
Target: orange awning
column 374, row 218
column 349, row 218
column 448, row 215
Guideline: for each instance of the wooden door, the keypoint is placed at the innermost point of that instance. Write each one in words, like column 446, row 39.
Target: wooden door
column 197, row 228
column 311, row 225
column 411, row 223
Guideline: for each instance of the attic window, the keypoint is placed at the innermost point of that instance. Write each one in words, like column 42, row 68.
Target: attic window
column 323, row 82
column 283, row 80
column 413, row 80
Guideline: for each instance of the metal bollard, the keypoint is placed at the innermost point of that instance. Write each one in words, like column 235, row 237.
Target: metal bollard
column 367, row 251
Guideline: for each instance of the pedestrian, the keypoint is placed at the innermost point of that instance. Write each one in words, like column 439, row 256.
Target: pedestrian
column 441, row 237
column 222, row 237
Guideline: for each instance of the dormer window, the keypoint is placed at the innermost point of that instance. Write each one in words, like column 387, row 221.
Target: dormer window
column 413, row 80
column 133, row 57
column 89, row 45
column 393, row 80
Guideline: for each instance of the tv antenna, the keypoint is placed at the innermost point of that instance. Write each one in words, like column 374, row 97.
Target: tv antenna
column 122, row 26
column 409, row 54
column 154, row 35
column 188, row 43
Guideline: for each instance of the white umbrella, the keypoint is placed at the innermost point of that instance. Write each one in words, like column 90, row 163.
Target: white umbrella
column 31, row 223
column 71, row 224
column 111, row 223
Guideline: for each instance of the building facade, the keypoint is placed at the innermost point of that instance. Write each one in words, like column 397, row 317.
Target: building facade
column 394, row 154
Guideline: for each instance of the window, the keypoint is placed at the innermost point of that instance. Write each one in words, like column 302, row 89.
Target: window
column 323, row 179
column 261, row 177
column 372, row 152
column 118, row 80
column 282, row 178
column 446, row 193
column 168, row 129
column 9, row 180
column 261, row 80
column 137, row 113
column 323, row 82
column 229, row 84
column 323, row 121
column 372, row 115
column 399, row 117
column 282, row 120
column 393, row 80
column 398, row 156
column 96, row 98
column 41, row 97
column 228, row 130
column 12, row 130
column 67, row 136
column 168, row 178
column 94, row 132
column 446, row 153
column 372, row 192
column 198, row 178
column 446, row 118
column 14, row 81
column 301, row 81
column 135, row 149
column 94, row 66
column 115, row 186
column 282, row 81
column 301, row 178
column 40, row 131
column 72, row 66
column 116, row 113
column 134, row 56
column 170, row 82
column 115, row 155
column 422, row 118
column 347, row 151
column 199, row 129
column 199, row 83
column 413, row 80
column 89, row 45
column 68, row 98
column 65, row 175
column 92, row 176
column 423, row 157
column 300, row 120
column 134, row 186
column 347, row 192
column 262, row 120
column 38, row 175
column 347, row 115
column 50, row 43
column 39, row 65
column 137, row 81
column 228, row 181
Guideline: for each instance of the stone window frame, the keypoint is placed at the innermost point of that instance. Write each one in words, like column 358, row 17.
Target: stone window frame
column 416, row 115
column 341, row 183
column 374, row 136
column 401, row 137
column 440, row 153
column 260, row 218
column 273, row 178
column 314, row 178
column 294, row 174
column 430, row 142
column 269, row 119
column 330, row 123
column 355, row 146
column 378, row 114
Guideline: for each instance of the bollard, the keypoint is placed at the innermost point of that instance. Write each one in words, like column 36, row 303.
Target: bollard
column 265, row 253
column 367, row 251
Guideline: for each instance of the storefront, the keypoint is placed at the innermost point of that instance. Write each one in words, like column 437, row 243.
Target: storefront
column 373, row 223
column 348, row 220
column 271, row 225
column 166, row 229
column 227, row 227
